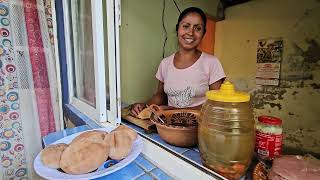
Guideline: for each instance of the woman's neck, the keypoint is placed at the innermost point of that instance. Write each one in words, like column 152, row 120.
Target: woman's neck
column 184, row 59
column 188, row 55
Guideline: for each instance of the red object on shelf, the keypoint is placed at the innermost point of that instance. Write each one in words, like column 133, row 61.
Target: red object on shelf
column 270, row 120
column 268, row 137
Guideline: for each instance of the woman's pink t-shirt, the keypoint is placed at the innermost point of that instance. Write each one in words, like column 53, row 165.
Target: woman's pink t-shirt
column 187, row 87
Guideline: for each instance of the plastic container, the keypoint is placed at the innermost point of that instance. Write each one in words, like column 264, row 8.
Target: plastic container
column 226, row 132
column 268, row 137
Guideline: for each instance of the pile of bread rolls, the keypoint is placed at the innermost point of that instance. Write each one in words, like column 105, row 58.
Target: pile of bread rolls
column 89, row 150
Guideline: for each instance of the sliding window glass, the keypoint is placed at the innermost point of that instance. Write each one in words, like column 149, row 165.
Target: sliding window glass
column 83, row 61
column 91, row 45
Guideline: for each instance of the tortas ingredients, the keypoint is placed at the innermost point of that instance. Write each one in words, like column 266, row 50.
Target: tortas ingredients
column 85, row 153
column 290, row 167
column 144, row 114
column 120, row 145
column 133, row 135
column 51, row 155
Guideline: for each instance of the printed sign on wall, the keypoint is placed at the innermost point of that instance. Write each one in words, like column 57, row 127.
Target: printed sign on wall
column 269, row 57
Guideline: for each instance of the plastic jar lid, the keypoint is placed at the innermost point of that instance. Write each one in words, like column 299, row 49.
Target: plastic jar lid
column 227, row 93
column 270, row 120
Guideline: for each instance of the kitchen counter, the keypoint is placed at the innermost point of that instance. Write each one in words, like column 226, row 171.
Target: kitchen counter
column 167, row 160
column 139, row 169
column 190, row 155
column 177, row 162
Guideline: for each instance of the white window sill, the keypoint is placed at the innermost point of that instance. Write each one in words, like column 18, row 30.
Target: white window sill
column 170, row 162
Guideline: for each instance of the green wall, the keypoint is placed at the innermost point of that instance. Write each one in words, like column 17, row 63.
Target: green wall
column 297, row 100
column 141, row 41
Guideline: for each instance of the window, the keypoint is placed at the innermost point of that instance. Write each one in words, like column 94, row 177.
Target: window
column 92, row 49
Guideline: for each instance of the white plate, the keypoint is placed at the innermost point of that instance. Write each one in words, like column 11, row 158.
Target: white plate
column 50, row 173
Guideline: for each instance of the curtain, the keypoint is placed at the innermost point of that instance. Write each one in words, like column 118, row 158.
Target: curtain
column 29, row 90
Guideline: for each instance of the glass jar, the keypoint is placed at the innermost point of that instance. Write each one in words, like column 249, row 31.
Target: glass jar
column 268, row 137
column 226, row 132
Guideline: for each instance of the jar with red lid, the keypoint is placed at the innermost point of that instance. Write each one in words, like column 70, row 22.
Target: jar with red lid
column 268, row 137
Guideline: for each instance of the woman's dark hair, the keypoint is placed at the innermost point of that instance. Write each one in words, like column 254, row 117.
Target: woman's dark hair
column 193, row 10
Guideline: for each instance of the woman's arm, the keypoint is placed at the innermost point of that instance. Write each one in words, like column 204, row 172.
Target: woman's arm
column 216, row 85
column 159, row 98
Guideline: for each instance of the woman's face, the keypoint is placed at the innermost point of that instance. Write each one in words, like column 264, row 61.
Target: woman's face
column 190, row 31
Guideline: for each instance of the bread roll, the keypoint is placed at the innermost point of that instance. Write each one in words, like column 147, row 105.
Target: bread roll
column 120, row 144
column 93, row 136
column 132, row 133
column 144, row 114
column 51, row 155
column 85, row 153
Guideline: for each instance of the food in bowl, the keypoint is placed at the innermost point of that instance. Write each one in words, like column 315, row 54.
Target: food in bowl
column 89, row 150
column 177, row 127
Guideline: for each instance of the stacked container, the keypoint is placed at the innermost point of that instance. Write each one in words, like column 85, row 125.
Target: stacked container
column 226, row 131
column 268, row 137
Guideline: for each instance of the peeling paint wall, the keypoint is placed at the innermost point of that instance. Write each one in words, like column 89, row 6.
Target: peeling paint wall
column 297, row 100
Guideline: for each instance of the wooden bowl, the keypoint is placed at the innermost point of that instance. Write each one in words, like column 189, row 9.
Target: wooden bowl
column 180, row 127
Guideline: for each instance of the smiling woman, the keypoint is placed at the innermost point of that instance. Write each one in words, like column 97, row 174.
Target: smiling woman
column 186, row 75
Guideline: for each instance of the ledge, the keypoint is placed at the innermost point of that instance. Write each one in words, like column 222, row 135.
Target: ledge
column 174, row 161
column 139, row 169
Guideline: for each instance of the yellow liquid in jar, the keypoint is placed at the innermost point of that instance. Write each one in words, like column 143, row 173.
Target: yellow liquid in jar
column 226, row 138
column 225, row 147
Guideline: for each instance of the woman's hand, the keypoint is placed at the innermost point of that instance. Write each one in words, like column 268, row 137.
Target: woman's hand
column 136, row 108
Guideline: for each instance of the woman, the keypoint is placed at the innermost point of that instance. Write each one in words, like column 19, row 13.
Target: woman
column 185, row 76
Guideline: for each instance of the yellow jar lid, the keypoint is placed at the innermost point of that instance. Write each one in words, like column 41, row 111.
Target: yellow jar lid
column 227, row 94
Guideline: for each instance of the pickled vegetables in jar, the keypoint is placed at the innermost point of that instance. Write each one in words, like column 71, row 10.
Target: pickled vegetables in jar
column 226, row 132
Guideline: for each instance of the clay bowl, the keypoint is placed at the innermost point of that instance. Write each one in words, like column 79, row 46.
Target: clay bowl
column 180, row 127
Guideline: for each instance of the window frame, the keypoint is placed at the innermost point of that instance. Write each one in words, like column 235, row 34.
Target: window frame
column 100, row 113
column 113, row 8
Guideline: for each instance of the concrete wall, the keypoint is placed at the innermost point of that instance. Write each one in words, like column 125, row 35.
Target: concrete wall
column 141, row 41
column 297, row 100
